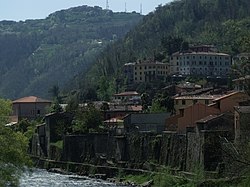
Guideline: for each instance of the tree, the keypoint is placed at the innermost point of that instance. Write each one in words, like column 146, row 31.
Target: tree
column 87, row 119
column 13, row 149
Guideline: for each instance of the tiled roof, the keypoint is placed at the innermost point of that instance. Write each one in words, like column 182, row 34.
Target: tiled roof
column 225, row 96
column 31, row 99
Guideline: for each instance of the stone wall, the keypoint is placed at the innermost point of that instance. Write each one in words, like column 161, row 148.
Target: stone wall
column 133, row 150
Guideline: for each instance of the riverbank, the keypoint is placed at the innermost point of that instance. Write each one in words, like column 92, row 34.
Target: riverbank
column 133, row 177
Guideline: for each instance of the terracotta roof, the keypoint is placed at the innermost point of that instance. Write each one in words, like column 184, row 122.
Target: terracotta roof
column 31, row 99
column 225, row 96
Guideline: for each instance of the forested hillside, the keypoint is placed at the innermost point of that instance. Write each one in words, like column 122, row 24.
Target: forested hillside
column 223, row 23
column 38, row 54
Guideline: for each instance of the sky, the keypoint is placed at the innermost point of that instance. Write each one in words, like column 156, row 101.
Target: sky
column 17, row 10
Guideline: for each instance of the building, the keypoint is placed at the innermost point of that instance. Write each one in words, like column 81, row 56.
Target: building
column 130, row 97
column 145, row 122
column 242, row 83
column 190, row 113
column 145, row 71
column 181, row 102
column 30, row 107
column 200, row 61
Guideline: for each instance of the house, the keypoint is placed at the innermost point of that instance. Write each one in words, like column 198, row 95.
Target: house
column 145, row 122
column 30, row 107
column 145, row 71
column 181, row 102
column 120, row 110
column 129, row 97
column 200, row 61
column 227, row 102
column 188, row 116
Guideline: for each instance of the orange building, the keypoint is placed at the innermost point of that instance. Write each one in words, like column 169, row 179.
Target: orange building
column 188, row 116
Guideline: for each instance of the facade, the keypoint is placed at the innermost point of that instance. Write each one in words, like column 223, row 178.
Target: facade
column 145, row 71
column 182, row 102
column 30, row 107
column 145, row 122
column 188, row 115
column 200, row 61
column 131, row 97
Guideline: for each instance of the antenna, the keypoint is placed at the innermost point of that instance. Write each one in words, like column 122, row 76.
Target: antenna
column 125, row 7
column 141, row 8
column 107, row 4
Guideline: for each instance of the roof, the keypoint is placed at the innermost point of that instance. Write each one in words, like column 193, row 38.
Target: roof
column 243, row 109
column 130, row 93
column 199, row 53
column 226, row 96
column 31, row 99
column 144, row 118
column 208, row 118
column 198, row 97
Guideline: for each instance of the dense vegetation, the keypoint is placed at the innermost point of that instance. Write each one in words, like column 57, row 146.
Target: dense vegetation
column 38, row 54
column 222, row 23
column 13, row 149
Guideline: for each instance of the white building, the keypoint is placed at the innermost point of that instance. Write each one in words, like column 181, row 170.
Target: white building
column 200, row 61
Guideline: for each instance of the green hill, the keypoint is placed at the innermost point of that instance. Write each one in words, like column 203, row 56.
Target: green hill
column 223, row 23
column 37, row 54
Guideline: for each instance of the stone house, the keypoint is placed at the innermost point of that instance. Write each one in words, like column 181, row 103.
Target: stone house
column 30, row 107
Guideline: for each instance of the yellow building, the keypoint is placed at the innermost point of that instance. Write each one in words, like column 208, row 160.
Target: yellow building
column 146, row 71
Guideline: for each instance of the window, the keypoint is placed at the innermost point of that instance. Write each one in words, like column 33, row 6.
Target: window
column 38, row 111
column 183, row 102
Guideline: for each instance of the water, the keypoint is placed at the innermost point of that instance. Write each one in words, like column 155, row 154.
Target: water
column 42, row 178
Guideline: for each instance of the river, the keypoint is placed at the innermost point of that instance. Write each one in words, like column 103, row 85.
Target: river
column 43, row 178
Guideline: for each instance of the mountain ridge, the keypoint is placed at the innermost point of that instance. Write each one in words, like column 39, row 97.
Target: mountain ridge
column 52, row 51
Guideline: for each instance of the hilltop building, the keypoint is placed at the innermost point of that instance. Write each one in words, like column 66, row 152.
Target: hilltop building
column 145, row 71
column 202, row 61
